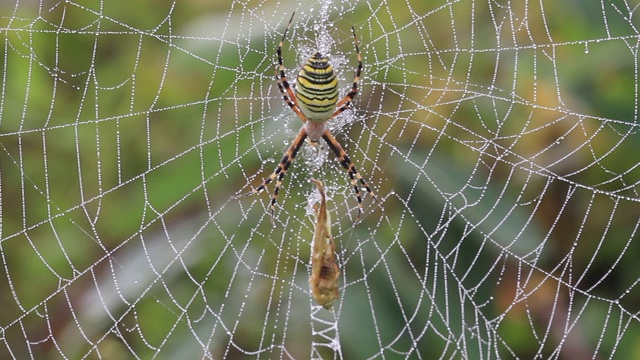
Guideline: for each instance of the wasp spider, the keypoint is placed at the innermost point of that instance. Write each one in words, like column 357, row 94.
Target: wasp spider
column 315, row 101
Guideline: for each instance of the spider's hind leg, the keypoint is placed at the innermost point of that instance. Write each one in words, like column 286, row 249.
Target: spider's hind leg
column 281, row 78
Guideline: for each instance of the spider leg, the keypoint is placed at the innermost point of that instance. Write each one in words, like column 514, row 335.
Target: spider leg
column 288, row 95
column 283, row 85
column 350, row 167
column 282, row 168
column 343, row 104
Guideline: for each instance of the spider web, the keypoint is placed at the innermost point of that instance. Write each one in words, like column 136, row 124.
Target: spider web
column 498, row 135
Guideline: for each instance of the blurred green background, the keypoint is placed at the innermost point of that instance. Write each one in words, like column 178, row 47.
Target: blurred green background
column 500, row 139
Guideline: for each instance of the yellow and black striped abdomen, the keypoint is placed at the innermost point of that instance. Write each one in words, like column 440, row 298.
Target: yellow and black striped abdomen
column 317, row 89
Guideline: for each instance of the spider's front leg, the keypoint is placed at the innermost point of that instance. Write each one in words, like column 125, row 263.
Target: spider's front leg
column 348, row 165
column 282, row 168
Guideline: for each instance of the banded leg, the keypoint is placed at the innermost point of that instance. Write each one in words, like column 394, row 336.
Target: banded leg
column 283, row 85
column 348, row 165
column 346, row 101
column 282, row 168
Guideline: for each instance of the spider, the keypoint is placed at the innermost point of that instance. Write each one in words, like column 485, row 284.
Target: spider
column 315, row 102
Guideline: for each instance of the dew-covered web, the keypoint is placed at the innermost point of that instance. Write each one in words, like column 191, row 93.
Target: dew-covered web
column 501, row 138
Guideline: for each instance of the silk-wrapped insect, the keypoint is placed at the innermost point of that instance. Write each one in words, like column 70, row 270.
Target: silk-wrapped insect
column 324, row 269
